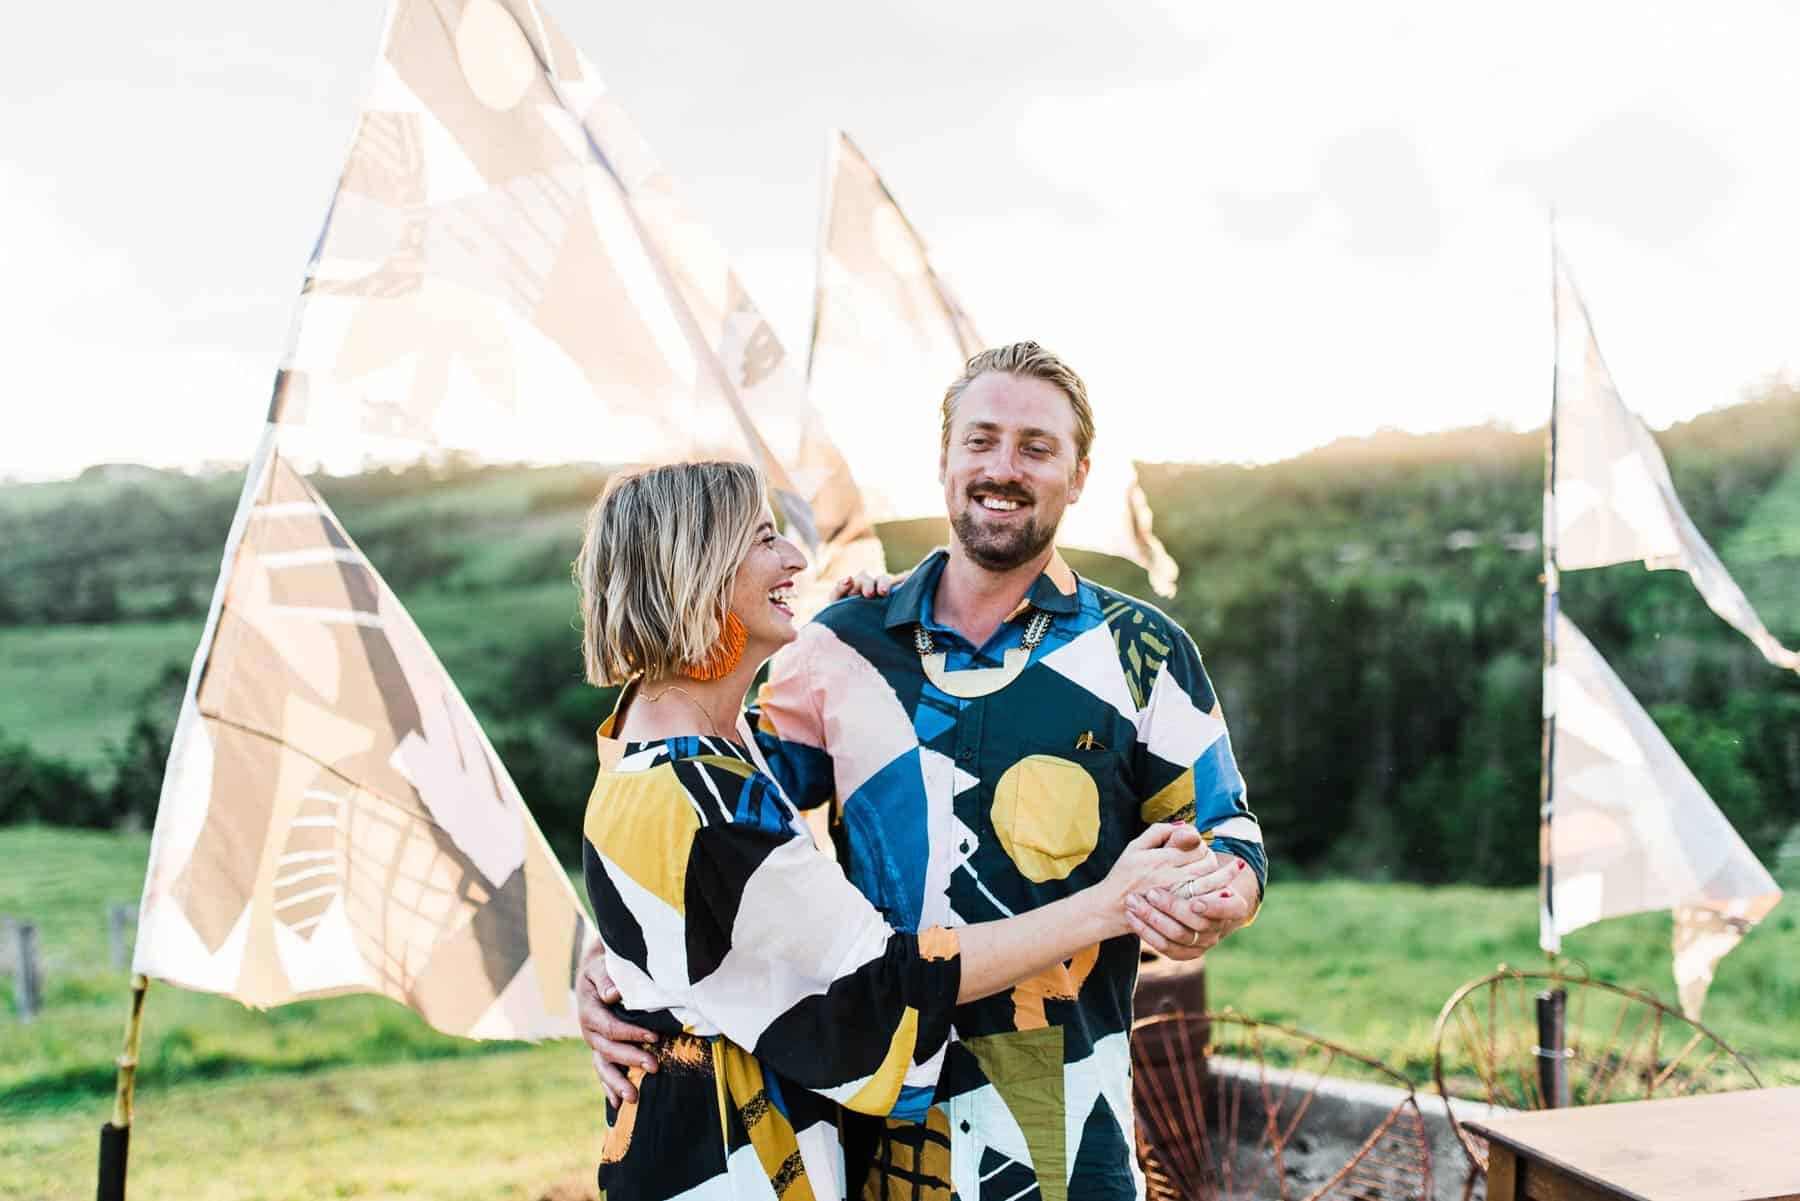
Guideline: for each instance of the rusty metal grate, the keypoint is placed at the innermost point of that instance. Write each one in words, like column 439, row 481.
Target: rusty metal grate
column 1620, row 1045
column 1225, row 1108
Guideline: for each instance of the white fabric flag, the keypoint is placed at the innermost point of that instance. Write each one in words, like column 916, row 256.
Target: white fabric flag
column 1615, row 502
column 504, row 271
column 508, row 271
column 1632, row 830
column 888, row 337
column 332, row 818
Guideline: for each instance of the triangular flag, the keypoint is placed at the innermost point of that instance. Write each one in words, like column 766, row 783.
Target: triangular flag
column 507, row 270
column 333, row 819
column 1613, row 499
column 1632, row 830
column 888, row 337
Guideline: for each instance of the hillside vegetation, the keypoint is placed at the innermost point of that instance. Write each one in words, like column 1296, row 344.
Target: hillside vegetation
column 1369, row 611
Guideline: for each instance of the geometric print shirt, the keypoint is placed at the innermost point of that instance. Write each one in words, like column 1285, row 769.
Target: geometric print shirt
column 780, row 991
column 986, row 783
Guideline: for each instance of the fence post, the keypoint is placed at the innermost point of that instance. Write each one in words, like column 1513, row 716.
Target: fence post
column 119, row 916
column 28, row 994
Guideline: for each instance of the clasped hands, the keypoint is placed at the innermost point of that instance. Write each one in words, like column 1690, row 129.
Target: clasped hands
column 1181, row 921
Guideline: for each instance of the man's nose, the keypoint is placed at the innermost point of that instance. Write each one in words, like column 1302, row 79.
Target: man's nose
column 1005, row 467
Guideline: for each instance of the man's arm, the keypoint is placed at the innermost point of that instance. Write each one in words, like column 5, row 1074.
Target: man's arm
column 1185, row 771
column 789, row 725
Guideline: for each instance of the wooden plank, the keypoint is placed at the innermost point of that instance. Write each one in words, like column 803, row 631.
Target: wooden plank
column 1502, row 1174
column 1546, row 1182
column 1720, row 1147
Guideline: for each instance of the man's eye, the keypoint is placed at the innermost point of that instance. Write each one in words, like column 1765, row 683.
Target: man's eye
column 1038, row 448
column 978, row 443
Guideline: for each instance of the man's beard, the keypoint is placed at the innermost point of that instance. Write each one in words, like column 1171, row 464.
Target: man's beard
column 1003, row 548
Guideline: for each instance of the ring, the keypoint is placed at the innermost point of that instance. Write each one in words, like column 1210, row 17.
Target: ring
column 1187, row 888
column 1194, row 941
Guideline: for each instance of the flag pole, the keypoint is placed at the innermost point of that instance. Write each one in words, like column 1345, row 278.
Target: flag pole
column 1552, row 1004
column 1547, row 935
column 115, row 1135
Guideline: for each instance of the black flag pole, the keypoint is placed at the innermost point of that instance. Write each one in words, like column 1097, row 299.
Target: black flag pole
column 115, row 1136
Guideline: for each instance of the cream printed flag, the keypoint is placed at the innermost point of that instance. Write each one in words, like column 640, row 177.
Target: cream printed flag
column 1633, row 830
column 1614, row 500
column 507, row 270
column 333, row 819
column 888, row 336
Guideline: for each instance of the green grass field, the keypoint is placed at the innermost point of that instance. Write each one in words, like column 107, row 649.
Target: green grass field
column 86, row 681
column 355, row 1096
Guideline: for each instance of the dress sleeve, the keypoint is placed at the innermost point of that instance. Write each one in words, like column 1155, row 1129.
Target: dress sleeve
column 774, row 948
column 1182, row 760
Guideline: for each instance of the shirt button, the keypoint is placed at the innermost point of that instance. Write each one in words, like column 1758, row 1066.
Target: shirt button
column 965, row 754
column 965, row 1128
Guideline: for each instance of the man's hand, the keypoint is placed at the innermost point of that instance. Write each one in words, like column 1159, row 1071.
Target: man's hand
column 1184, row 928
column 617, row 1045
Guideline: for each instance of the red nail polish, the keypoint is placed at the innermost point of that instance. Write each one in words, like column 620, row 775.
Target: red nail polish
column 1224, row 892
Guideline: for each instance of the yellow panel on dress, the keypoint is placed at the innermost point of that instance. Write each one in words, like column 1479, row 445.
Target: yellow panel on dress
column 882, row 1089
column 644, row 823
column 1047, row 814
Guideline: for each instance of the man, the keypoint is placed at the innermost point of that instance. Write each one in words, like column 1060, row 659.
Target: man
column 989, row 736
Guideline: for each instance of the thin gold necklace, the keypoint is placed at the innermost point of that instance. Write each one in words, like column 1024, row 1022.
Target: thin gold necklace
column 692, row 699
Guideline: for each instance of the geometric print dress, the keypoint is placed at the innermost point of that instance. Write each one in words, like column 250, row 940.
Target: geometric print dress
column 778, row 991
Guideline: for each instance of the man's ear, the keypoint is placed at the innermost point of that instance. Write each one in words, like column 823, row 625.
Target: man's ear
column 1078, row 481
column 943, row 463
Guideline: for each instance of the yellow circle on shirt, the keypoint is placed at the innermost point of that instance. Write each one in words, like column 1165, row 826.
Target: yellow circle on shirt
column 1047, row 814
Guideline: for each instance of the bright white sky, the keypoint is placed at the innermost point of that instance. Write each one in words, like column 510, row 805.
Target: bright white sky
column 1252, row 227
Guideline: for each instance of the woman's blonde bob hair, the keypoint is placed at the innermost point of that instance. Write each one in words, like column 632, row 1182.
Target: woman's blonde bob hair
column 658, row 556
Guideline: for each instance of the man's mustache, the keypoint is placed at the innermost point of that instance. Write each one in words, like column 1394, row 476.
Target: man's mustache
column 1001, row 492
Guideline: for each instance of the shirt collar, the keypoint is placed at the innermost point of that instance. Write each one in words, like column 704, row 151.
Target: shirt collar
column 1056, row 591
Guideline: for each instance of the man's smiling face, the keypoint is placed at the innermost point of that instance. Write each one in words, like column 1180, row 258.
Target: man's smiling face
column 1010, row 468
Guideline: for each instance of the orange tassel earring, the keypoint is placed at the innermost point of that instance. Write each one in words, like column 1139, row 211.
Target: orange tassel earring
column 725, row 654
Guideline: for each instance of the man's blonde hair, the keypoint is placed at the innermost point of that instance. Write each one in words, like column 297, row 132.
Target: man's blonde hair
column 658, row 556
column 1027, row 360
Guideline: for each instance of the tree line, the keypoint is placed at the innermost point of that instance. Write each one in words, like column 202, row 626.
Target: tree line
column 1371, row 614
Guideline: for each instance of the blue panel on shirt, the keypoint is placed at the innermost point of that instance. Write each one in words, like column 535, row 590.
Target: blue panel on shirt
column 1218, row 786
column 930, row 720
column 890, row 840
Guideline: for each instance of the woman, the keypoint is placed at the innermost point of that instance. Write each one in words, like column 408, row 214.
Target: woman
column 779, row 990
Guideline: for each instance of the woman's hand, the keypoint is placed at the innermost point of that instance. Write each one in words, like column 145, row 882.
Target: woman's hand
column 868, row 585
column 1167, row 855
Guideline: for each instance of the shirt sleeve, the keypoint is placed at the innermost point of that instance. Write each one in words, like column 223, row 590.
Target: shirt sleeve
column 774, row 948
column 788, row 724
column 1184, row 767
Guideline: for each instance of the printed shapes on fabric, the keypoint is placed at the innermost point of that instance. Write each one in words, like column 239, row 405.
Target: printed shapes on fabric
column 1047, row 816
column 912, row 1161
